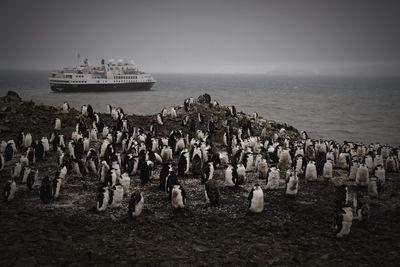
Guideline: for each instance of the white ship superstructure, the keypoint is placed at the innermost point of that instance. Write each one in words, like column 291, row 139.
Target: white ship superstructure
column 113, row 75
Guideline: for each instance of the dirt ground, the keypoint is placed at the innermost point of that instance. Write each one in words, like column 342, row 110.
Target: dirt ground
column 290, row 232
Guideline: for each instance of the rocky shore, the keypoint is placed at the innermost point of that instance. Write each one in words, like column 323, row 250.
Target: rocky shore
column 293, row 232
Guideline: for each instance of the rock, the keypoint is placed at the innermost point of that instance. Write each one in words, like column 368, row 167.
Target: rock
column 13, row 95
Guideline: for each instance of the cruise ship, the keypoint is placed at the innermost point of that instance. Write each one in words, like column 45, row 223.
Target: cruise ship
column 113, row 75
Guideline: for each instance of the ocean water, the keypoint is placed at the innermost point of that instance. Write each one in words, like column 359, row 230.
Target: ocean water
column 365, row 109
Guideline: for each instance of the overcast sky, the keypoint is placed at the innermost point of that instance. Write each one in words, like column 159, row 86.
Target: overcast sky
column 278, row 37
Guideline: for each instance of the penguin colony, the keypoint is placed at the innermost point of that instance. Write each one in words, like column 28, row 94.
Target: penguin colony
column 119, row 153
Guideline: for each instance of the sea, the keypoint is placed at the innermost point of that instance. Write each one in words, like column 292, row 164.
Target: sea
column 358, row 109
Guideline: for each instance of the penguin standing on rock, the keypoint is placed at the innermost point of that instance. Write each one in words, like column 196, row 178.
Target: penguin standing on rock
column 311, row 171
column 136, row 204
column 9, row 190
column 46, row 191
column 256, row 199
column 116, row 195
column 292, row 185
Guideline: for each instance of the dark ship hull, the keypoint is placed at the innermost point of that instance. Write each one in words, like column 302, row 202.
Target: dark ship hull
column 101, row 87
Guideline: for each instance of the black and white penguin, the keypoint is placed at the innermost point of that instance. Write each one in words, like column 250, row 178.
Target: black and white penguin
column 380, row 174
column 343, row 161
column 136, row 204
column 256, row 199
column 230, row 176
column 28, row 140
column 9, row 190
column 343, row 221
column 341, row 196
column 65, row 107
column 353, row 169
column 262, row 169
column 170, row 181
column 212, row 193
column 56, row 184
column 311, row 171
column 178, row 197
column 57, row 124
column 125, row 181
column 292, row 186
column 166, row 153
column 273, row 178
column 165, row 169
column 160, row 120
column 146, row 172
column 362, row 175
column 17, row 170
column 208, row 172
column 102, row 199
column 39, row 150
column 328, row 170
column 116, row 195
column 32, row 178
column 183, row 163
column 241, row 171
column 46, row 191
column 197, row 166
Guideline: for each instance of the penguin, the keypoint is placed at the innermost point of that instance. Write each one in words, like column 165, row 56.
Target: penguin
column 343, row 161
column 197, row 166
column 241, row 171
column 170, row 181
column 46, row 191
column 285, row 160
column 28, row 140
column 65, row 108
column 328, row 170
column 160, row 120
column 300, row 164
column 57, row 124
column 46, row 145
column 372, row 188
column 166, row 154
column 362, row 175
column 230, row 176
column 165, row 169
column 145, row 172
column 17, row 170
column 343, row 221
column 341, row 196
column 292, row 186
column 380, row 174
column 362, row 209
column 136, row 204
column 353, row 169
column 208, row 172
column 212, row 193
column 311, row 171
column 273, row 178
column 116, row 195
column 392, row 164
column 39, row 151
column 32, row 178
column 378, row 160
column 125, row 181
column 25, row 172
column 172, row 113
column 8, row 153
column 178, row 197
column 2, row 162
column 256, row 199
column 183, row 163
column 262, row 169
column 102, row 199
column 9, row 190
column 56, row 184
